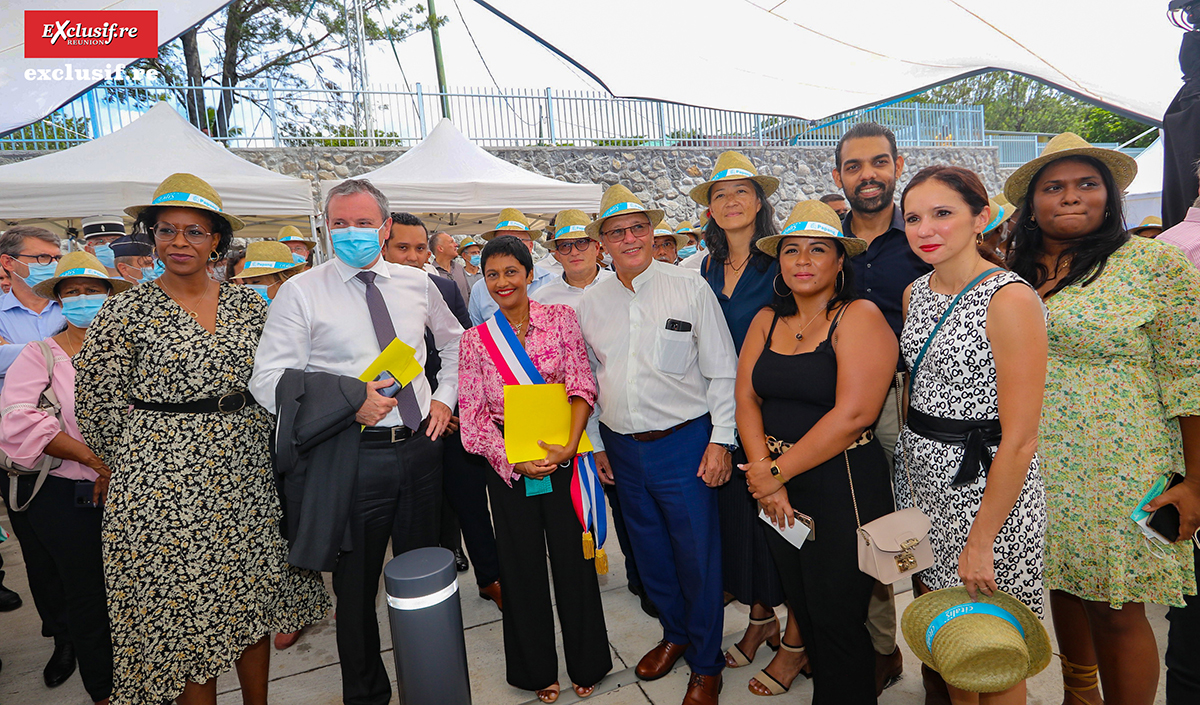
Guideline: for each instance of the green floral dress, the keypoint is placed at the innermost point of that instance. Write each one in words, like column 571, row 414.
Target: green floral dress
column 195, row 566
column 1124, row 363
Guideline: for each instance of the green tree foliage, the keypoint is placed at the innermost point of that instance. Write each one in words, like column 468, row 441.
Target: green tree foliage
column 1014, row 103
column 54, row 132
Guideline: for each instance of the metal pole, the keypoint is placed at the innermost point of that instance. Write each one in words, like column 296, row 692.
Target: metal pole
column 662, row 124
column 437, row 60
column 421, row 110
column 271, row 111
column 550, row 114
column 94, row 113
column 427, row 629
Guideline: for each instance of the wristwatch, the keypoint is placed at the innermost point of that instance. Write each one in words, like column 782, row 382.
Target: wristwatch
column 731, row 447
column 775, row 472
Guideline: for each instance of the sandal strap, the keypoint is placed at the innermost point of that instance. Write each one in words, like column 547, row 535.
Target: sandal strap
column 739, row 657
column 764, row 621
column 1088, row 675
column 767, row 681
column 791, row 649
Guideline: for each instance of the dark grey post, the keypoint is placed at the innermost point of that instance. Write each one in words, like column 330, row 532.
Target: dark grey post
column 427, row 628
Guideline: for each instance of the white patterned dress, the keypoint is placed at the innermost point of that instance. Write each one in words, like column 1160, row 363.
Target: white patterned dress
column 957, row 380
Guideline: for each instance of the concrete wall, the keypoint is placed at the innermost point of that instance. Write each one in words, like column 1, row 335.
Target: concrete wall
column 661, row 176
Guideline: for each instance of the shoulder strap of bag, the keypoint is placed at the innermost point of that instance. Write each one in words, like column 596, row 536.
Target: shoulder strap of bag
column 925, row 348
column 52, row 401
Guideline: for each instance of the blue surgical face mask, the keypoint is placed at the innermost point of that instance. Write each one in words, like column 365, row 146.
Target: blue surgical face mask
column 80, row 310
column 105, row 254
column 474, row 260
column 357, row 247
column 687, row 252
column 299, row 259
column 39, row 273
column 149, row 274
column 261, row 290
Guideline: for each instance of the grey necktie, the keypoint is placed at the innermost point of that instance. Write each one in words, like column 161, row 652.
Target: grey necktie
column 385, row 333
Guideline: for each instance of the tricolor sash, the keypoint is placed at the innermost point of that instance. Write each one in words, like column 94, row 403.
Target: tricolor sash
column 587, row 494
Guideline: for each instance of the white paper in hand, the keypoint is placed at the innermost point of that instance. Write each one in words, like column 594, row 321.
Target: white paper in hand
column 796, row 534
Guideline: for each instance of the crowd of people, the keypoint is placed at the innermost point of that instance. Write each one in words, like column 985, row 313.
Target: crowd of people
column 993, row 396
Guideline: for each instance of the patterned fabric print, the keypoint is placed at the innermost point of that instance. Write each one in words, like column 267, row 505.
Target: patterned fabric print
column 1124, row 362
column 554, row 344
column 195, row 566
column 957, row 380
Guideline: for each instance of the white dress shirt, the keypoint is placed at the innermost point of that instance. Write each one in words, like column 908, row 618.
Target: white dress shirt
column 558, row 291
column 651, row 378
column 694, row 261
column 319, row 322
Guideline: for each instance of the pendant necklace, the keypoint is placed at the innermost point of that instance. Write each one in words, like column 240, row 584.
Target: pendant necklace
column 800, row 335
column 191, row 312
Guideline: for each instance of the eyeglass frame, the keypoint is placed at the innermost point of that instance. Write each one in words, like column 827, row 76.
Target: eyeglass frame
column 205, row 234
column 617, row 235
column 572, row 243
column 38, row 258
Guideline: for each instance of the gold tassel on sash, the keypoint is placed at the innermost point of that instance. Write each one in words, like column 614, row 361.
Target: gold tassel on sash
column 601, row 562
column 589, row 546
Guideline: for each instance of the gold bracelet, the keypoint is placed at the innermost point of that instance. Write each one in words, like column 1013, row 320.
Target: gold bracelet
column 763, row 458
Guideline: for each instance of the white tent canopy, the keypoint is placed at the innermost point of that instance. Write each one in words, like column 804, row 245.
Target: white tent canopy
column 1144, row 196
column 124, row 168
column 812, row 59
column 450, row 181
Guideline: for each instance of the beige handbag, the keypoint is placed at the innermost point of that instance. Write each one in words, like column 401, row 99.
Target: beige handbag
column 895, row 545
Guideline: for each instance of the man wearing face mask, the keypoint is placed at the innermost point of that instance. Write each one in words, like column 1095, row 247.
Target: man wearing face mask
column 326, row 326
column 132, row 259
column 99, row 233
column 29, row 254
column 469, row 249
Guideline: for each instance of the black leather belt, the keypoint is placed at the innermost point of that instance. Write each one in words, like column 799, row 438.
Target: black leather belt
column 225, row 404
column 649, row 436
column 392, row 434
column 974, row 435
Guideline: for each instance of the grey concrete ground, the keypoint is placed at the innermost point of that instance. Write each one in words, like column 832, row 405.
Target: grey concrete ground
column 307, row 673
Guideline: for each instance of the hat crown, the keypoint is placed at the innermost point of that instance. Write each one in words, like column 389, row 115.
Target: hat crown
column 512, row 215
column 80, row 259
column 618, row 195
column 991, row 650
column 685, row 227
column 570, row 224
column 189, row 184
column 289, row 231
column 733, row 165
column 1063, row 142
column 813, row 211
column 268, row 251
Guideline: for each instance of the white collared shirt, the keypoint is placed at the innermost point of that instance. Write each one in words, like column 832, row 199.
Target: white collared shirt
column 694, row 261
column 319, row 322
column 651, row 378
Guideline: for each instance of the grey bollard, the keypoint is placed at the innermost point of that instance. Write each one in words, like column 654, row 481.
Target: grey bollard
column 427, row 628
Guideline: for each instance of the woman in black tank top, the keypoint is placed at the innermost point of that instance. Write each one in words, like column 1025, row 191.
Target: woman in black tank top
column 814, row 371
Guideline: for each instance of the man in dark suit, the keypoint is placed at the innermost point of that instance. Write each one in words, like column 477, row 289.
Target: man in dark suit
column 462, row 473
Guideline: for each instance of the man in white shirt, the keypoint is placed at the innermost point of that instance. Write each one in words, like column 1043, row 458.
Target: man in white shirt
column 666, row 379
column 336, row 318
column 513, row 222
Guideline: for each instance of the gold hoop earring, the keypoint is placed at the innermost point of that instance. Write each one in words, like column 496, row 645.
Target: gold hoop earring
column 775, row 287
column 213, row 256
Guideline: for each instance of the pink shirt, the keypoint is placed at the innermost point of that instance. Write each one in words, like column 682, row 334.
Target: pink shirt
column 1185, row 235
column 554, row 344
column 25, row 431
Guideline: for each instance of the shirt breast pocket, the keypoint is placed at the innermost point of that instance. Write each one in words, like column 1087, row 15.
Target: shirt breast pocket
column 676, row 351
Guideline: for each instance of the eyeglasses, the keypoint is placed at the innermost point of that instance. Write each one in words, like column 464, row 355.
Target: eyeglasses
column 618, row 234
column 192, row 233
column 564, row 246
column 42, row 259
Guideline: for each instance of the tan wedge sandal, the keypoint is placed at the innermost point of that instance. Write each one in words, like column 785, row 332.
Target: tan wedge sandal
column 1089, row 675
column 768, row 681
column 549, row 695
column 736, row 658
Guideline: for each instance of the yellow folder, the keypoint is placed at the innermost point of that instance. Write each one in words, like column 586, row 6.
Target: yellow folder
column 398, row 358
column 536, row 412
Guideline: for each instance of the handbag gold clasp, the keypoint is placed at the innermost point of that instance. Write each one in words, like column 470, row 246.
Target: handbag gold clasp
column 906, row 561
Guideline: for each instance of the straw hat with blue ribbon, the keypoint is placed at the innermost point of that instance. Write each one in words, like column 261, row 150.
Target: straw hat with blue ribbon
column 730, row 167
column 665, row 230
column 468, row 241
column 1002, row 210
column 1150, row 221
column 290, row 233
column 571, row 225
column 686, row 227
column 812, row 219
column 267, row 257
column 1069, row 144
column 79, row 264
column 985, row 645
column 187, row 191
column 511, row 221
column 618, row 200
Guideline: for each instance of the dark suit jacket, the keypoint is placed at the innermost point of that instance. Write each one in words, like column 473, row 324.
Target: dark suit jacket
column 458, row 306
column 316, row 451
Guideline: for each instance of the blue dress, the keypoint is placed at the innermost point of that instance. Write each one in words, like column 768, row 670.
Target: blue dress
column 747, row 566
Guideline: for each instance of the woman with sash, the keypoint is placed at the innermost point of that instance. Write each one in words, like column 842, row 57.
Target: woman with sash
column 542, row 506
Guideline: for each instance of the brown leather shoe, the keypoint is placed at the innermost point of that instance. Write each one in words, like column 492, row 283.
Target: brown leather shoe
column 888, row 670
column 703, row 690
column 492, row 592
column 659, row 661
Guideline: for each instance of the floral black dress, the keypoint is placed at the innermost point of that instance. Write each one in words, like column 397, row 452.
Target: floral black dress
column 195, row 566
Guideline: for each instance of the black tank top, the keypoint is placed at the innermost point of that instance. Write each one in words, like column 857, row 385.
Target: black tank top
column 796, row 390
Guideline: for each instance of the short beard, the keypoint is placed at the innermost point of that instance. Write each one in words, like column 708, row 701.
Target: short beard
column 872, row 205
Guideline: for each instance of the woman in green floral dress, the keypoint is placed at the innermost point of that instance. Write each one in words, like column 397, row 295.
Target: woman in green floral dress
column 1121, row 407
column 195, row 566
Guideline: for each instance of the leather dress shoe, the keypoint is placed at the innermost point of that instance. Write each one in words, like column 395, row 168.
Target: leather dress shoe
column 460, row 561
column 492, row 592
column 703, row 690
column 659, row 661
column 61, row 664
column 887, row 670
column 9, row 600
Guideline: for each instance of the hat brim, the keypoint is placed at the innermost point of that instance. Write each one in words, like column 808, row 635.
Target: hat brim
column 656, row 217
column 45, row 289
column 1122, row 166
column 853, row 246
column 235, row 223
column 916, row 618
column 1006, row 212
column 508, row 231
column 263, row 271
column 769, row 185
column 681, row 240
column 309, row 243
column 1140, row 228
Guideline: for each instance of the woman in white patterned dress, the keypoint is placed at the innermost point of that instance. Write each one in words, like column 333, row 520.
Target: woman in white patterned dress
column 970, row 436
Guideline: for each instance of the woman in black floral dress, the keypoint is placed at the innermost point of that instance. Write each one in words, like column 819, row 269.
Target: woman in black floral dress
column 195, row 565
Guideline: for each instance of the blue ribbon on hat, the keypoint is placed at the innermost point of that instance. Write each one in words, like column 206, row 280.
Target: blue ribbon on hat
column 663, row 232
column 567, row 229
column 811, row 225
column 266, row 264
column 83, row 272
column 617, row 208
column 996, row 220
column 187, row 197
column 519, row 225
column 727, row 173
column 969, row 608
